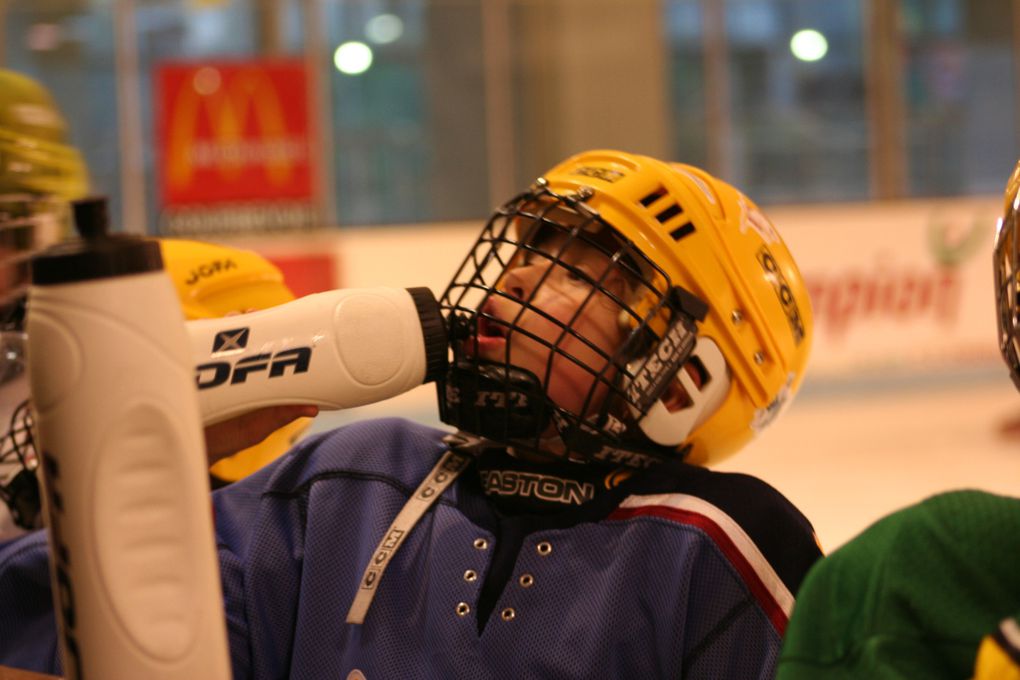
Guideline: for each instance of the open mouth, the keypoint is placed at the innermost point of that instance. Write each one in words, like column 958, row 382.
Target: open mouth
column 490, row 334
column 488, row 328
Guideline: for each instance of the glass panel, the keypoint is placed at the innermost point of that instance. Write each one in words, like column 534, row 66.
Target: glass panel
column 409, row 130
column 409, row 133
column 68, row 48
column 685, row 27
column 961, row 119
column 797, row 97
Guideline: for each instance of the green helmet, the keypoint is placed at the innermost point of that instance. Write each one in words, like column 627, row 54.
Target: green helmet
column 35, row 157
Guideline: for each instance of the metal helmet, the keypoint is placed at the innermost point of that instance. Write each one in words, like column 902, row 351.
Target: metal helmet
column 1006, row 265
column 711, row 322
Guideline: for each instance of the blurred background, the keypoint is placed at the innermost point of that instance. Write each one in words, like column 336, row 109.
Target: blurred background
column 363, row 142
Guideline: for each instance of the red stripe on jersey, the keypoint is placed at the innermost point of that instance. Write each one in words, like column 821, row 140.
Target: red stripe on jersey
column 732, row 553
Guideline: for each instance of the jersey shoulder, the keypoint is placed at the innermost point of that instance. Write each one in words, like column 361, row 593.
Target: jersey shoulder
column 745, row 517
column 394, row 451
column 917, row 589
column 394, row 448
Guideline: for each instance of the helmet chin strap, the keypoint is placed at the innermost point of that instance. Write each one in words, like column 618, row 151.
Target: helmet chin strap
column 575, row 441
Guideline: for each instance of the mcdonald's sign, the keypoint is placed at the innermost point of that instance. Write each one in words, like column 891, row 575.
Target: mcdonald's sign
column 233, row 132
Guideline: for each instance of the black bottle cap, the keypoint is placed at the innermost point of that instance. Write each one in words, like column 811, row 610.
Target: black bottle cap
column 91, row 219
column 97, row 254
column 434, row 331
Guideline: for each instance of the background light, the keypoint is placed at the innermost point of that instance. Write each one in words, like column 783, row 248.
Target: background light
column 43, row 37
column 809, row 45
column 352, row 58
column 206, row 80
column 384, row 28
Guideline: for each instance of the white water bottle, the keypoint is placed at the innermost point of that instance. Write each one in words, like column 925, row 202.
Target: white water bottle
column 133, row 561
column 337, row 349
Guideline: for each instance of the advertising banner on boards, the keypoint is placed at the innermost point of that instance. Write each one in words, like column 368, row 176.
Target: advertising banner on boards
column 900, row 289
column 234, row 148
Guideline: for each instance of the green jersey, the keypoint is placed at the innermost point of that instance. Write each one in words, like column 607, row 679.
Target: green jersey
column 910, row 597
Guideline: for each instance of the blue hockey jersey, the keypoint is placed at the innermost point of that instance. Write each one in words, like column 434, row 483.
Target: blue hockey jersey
column 677, row 572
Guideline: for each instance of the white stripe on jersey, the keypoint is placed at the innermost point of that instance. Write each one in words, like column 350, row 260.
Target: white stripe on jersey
column 743, row 542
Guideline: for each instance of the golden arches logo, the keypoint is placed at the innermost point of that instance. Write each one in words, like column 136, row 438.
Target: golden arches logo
column 228, row 104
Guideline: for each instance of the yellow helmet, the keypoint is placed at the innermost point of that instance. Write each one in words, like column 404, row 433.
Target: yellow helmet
column 40, row 171
column 213, row 281
column 1006, row 264
column 717, row 312
column 35, row 156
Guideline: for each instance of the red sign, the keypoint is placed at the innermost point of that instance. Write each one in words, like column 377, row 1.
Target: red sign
column 307, row 273
column 233, row 132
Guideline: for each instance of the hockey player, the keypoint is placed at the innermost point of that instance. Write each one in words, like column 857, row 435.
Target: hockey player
column 616, row 328
column 236, row 447
column 931, row 591
column 40, row 173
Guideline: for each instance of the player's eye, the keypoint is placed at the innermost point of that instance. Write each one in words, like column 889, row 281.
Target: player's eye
column 581, row 274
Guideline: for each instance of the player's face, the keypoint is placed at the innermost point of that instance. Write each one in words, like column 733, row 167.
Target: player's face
column 543, row 299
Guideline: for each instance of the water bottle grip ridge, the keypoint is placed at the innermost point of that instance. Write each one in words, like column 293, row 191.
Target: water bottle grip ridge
column 146, row 563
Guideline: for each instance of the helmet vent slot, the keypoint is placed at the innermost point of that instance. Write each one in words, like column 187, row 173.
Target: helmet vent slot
column 653, row 197
column 683, row 230
column 669, row 213
column 666, row 210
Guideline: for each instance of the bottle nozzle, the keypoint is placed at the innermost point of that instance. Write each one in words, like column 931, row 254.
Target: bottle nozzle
column 97, row 254
column 91, row 219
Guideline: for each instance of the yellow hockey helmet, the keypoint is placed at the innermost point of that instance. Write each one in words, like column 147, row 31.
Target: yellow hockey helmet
column 40, row 171
column 718, row 313
column 35, row 156
column 214, row 281
column 1006, row 264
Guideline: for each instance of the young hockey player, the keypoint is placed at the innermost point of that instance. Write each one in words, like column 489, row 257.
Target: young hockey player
column 42, row 173
column 931, row 591
column 39, row 173
column 616, row 328
column 236, row 447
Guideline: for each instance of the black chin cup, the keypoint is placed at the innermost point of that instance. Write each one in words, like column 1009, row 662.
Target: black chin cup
column 580, row 438
column 495, row 401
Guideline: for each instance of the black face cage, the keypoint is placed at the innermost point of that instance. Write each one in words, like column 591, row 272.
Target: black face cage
column 1006, row 263
column 508, row 404
column 19, row 488
column 19, row 485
